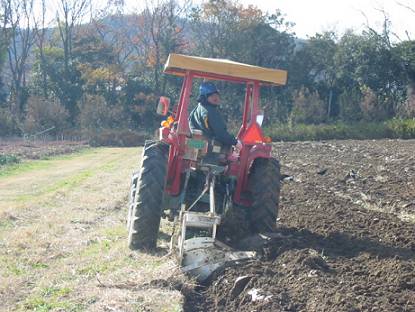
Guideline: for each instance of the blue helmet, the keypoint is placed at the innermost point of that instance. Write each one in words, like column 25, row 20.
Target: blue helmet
column 207, row 88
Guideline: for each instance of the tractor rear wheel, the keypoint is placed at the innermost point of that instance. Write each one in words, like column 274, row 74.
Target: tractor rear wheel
column 264, row 185
column 146, row 208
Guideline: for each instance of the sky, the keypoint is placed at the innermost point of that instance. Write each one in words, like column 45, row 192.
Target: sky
column 319, row 15
column 312, row 16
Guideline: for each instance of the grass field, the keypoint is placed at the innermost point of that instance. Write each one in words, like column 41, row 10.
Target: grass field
column 63, row 238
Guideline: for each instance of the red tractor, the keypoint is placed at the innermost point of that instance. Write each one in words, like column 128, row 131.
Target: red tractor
column 201, row 185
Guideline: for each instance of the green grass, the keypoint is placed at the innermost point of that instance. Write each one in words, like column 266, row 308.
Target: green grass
column 66, row 184
column 116, row 232
column 38, row 265
column 21, row 267
column 6, row 159
column 392, row 129
column 52, row 298
column 12, row 268
column 6, row 224
column 96, row 248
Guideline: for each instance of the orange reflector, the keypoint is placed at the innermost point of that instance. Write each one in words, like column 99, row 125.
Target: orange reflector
column 165, row 124
column 253, row 134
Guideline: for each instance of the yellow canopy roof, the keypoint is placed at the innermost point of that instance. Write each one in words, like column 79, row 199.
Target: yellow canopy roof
column 178, row 64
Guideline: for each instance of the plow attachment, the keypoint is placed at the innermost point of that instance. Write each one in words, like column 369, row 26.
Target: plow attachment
column 200, row 255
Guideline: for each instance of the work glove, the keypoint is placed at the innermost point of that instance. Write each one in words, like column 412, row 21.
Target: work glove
column 238, row 145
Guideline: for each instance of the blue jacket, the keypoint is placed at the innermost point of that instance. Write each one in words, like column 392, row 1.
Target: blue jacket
column 207, row 118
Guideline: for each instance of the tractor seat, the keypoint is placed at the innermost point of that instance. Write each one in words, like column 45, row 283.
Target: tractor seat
column 213, row 168
column 196, row 132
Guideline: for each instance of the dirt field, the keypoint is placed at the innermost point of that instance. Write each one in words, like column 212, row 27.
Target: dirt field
column 63, row 238
column 39, row 149
column 346, row 240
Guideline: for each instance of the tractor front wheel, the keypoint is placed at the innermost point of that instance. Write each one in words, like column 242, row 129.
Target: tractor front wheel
column 146, row 207
column 264, row 185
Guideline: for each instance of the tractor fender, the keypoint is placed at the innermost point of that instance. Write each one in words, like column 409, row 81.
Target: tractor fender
column 258, row 151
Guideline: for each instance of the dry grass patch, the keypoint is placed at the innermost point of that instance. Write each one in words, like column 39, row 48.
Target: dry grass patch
column 65, row 249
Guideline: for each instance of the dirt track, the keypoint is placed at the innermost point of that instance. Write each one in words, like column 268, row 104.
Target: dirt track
column 346, row 238
column 63, row 237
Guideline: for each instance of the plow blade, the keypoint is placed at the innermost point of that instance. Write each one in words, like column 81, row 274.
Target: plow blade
column 203, row 255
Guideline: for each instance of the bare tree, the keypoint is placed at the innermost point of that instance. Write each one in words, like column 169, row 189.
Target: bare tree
column 113, row 27
column 70, row 13
column 20, row 36
column 3, row 47
column 3, row 29
column 40, row 30
column 161, row 32
column 410, row 8
column 407, row 6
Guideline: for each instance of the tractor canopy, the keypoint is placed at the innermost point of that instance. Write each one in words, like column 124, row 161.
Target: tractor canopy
column 223, row 69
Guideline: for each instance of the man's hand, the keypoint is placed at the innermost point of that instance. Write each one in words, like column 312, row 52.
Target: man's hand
column 238, row 145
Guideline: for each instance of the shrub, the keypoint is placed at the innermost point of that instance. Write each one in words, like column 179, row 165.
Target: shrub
column 402, row 128
column 349, row 105
column 8, row 125
column 42, row 113
column 6, row 159
column 396, row 128
column 308, row 108
column 407, row 109
column 96, row 114
column 302, row 132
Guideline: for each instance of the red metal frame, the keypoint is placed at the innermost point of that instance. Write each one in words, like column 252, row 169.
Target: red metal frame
column 177, row 135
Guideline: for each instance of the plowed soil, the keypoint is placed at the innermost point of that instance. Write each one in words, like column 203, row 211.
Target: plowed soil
column 39, row 149
column 346, row 237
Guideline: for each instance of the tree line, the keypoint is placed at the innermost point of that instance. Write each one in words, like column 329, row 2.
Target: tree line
column 93, row 68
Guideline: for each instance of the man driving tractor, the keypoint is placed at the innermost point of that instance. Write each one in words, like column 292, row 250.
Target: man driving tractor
column 180, row 178
column 207, row 118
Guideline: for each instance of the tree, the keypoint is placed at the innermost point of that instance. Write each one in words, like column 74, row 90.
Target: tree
column 19, row 17
column 367, row 62
column 40, row 30
column 405, row 52
column 96, row 61
column 314, row 68
column 161, row 32
column 226, row 29
column 63, row 82
column 115, row 29
column 70, row 13
column 3, row 52
column 58, row 62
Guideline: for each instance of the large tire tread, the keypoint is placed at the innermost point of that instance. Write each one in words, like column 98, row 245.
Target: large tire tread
column 147, row 203
column 264, row 185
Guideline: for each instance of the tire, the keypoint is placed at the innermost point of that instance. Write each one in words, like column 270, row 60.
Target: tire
column 264, row 185
column 146, row 208
column 133, row 189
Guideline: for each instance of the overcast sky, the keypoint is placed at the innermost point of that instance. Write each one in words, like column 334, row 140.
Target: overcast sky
column 317, row 15
column 311, row 16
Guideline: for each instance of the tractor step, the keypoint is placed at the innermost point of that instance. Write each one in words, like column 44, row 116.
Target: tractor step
column 200, row 220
